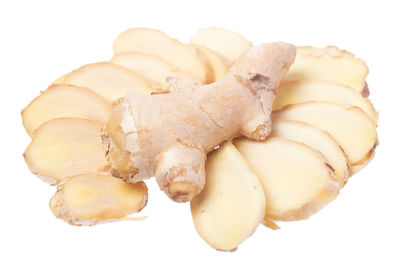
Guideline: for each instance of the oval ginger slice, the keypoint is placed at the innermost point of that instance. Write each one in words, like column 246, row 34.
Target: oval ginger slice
column 108, row 80
column 91, row 198
column 232, row 204
column 65, row 101
column 350, row 127
column 328, row 64
column 66, row 147
column 318, row 140
column 297, row 181
column 303, row 91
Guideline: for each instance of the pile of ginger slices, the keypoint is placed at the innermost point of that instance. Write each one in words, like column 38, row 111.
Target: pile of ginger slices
column 324, row 132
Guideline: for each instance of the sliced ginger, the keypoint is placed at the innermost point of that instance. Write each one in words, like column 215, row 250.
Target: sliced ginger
column 153, row 68
column 228, row 43
column 329, row 64
column 317, row 139
column 66, row 147
column 60, row 101
column 108, row 80
column 293, row 92
column 232, row 204
column 149, row 41
column 297, row 181
column 218, row 63
column 90, row 198
column 350, row 127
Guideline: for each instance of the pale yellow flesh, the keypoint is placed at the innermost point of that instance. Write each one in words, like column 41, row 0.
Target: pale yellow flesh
column 350, row 127
column 228, row 43
column 66, row 147
column 108, row 80
column 293, row 92
column 218, row 62
column 297, row 181
column 232, row 203
column 317, row 139
column 153, row 68
column 329, row 64
column 64, row 101
column 149, row 41
column 95, row 197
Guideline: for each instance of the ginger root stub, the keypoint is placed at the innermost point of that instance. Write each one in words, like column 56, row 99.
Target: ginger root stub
column 169, row 135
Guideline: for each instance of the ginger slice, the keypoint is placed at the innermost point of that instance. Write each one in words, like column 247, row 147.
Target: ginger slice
column 228, row 43
column 62, row 101
column 218, row 63
column 293, row 92
column 66, row 147
column 153, row 68
column 232, row 204
column 329, row 64
column 297, row 181
column 350, row 127
column 108, row 80
column 149, row 41
column 91, row 198
column 317, row 139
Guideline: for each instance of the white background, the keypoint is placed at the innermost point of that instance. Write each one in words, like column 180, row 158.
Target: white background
column 41, row 40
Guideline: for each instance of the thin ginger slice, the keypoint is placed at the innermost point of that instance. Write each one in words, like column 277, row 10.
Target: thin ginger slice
column 218, row 63
column 149, row 41
column 91, row 198
column 232, row 204
column 293, row 92
column 155, row 69
column 317, row 139
column 64, row 101
column 108, row 80
column 228, row 43
column 66, row 147
column 329, row 64
column 297, row 181
column 350, row 127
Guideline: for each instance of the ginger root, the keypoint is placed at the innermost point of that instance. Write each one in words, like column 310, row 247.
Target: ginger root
column 169, row 135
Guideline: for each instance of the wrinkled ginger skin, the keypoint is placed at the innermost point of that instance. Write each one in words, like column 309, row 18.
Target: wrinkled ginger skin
column 169, row 135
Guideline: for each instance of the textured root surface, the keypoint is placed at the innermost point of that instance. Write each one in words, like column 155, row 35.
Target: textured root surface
column 66, row 147
column 232, row 204
column 91, row 198
column 297, row 181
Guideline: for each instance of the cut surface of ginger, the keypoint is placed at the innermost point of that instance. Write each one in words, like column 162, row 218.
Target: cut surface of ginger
column 350, row 127
column 293, row 92
column 329, row 64
column 218, row 63
column 153, row 68
column 91, row 198
column 108, row 80
column 297, row 181
column 149, row 41
column 317, row 139
column 232, row 204
column 228, row 43
column 66, row 147
column 64, row 101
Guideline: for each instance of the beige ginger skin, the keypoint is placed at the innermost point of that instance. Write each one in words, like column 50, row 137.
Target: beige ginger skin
column 169, row 135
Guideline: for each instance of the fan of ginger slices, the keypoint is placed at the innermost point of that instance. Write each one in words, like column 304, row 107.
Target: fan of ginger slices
column 323, row 130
